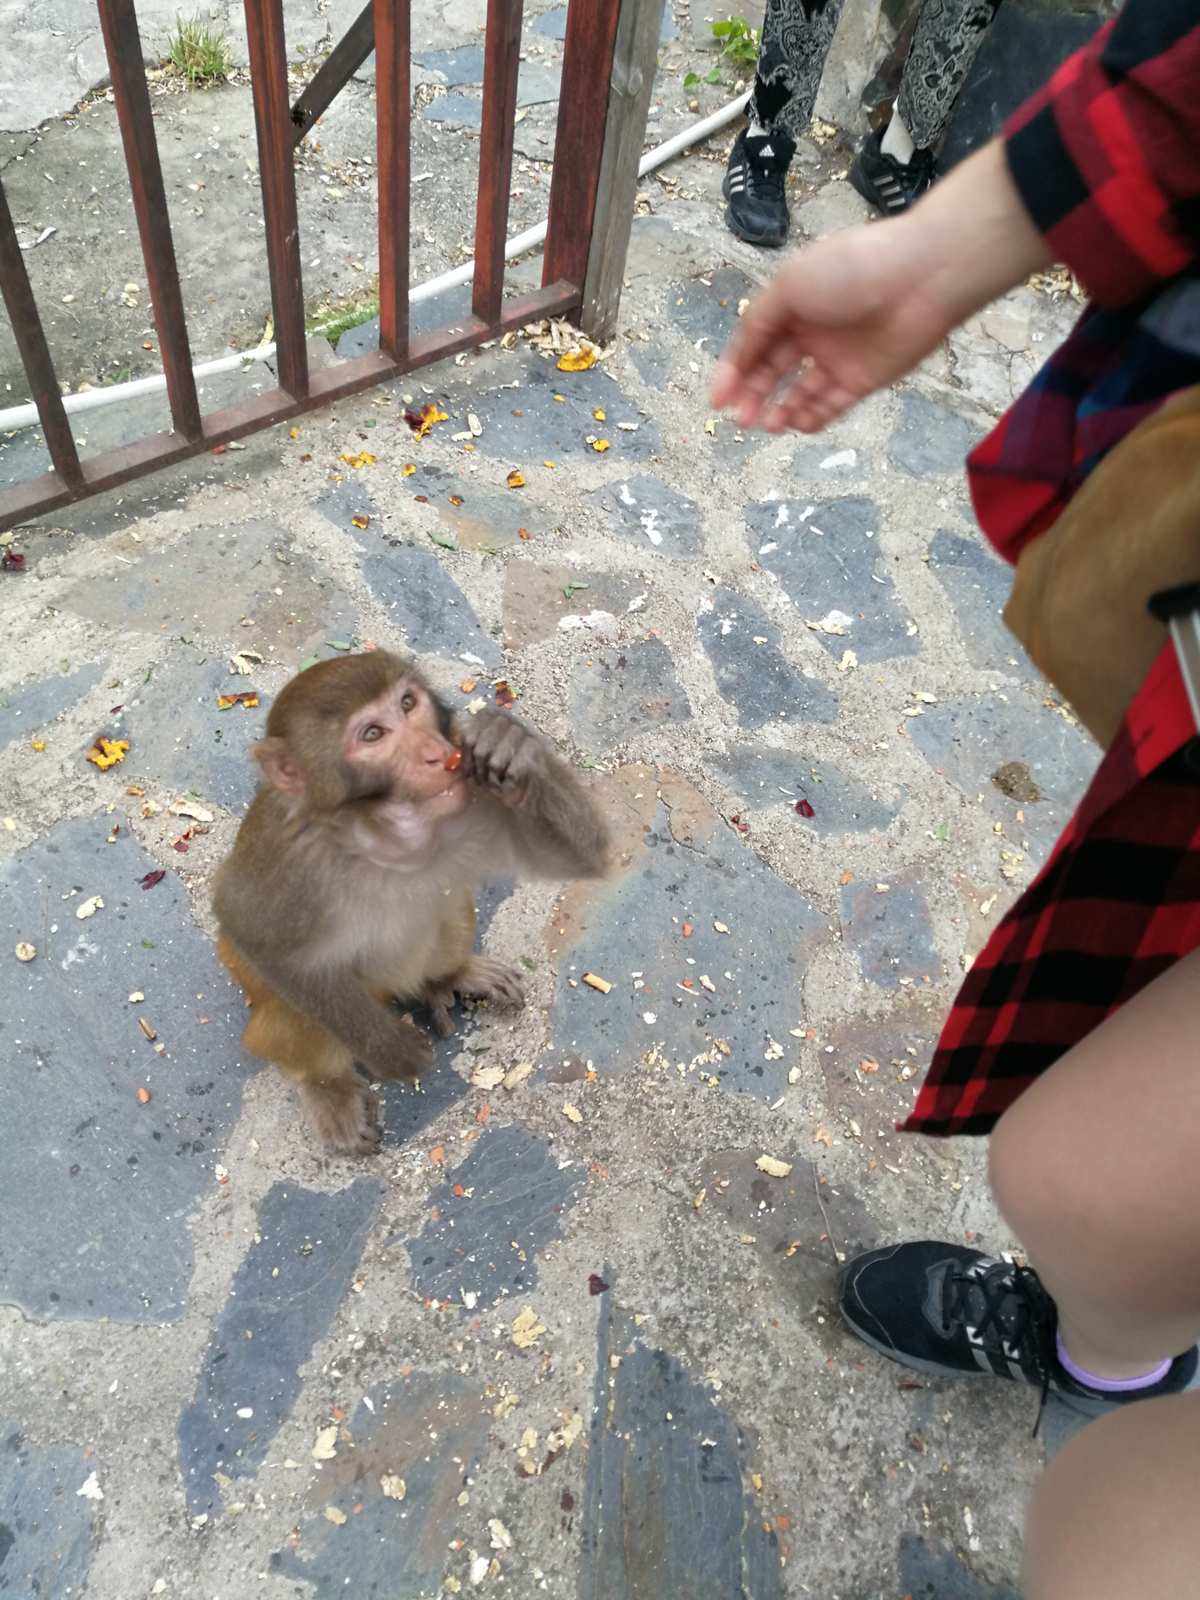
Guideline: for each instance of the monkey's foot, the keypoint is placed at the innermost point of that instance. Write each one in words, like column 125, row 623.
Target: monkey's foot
column 486, row 979
column 439, row 1000
column 343, row 1115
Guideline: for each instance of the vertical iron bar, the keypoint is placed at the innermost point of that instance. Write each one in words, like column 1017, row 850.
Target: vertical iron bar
column 273, row 122
column 34, row 351
column 579, row 144
column 500, row 70
column 118, row 20
column 393, row 104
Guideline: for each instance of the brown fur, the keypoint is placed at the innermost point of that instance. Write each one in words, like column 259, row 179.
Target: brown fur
column 352, row 881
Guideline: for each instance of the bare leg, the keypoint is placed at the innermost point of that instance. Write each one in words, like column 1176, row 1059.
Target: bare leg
column 1115, row 1514
column 1095, row 1170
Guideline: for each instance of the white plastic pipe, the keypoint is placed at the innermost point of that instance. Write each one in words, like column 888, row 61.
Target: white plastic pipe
column 26, row 416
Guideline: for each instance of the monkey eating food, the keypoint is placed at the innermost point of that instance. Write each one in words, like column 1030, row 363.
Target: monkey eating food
column 350, row 889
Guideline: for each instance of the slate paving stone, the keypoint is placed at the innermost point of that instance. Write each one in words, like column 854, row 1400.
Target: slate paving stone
column 968, row 739
column 463, row 65
column 756, row 969
column 46, row 1527
column 179, row 738
column 538, row 597
column 455, row 111
column 425, row 602
column 890, row 933
column 817, row 462
column 929, row 1572
column 282, row 1301
column 29, row 707
column 115, row 1180
column 488, row 1244
column 339, row 503
column 392, row 1548
column 618, row 693
column 524, row 425
column 705, row 309
column 668, row 1490
column 931, row 438
column 649, row 513
column 407, row 1109
column 205, row 584
column 784, row 1219
column 752, row 672
column 424, row 316
column 978, row 584
column 841, row 803
column 826, row 556
column 653, row 361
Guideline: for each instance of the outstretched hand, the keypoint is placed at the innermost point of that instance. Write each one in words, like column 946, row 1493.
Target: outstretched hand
column 859, row 309
column 844, row 317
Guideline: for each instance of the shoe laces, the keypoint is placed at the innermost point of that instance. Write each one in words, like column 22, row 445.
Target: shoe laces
column 1007, row 1310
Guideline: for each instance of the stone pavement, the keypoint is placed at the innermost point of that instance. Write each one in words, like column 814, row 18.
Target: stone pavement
column 562, row 1336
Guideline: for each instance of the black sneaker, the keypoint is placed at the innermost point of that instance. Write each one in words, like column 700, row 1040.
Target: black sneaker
column 954, row 1312
column 753, row 186
column 891, row 186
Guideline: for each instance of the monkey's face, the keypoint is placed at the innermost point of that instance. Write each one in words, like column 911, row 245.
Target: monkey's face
column 395, row 747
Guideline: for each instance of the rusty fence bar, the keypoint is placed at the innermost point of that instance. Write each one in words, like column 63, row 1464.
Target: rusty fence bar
column 501, row 66
column 273, row 123
column 35, row 354
column 118, row 20
column 385, row 26
column 335, row 72
column 393, row 103
column 579, row 142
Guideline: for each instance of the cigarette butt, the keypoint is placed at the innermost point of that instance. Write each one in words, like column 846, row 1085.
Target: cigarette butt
column 146, row 1028
column 593, row 982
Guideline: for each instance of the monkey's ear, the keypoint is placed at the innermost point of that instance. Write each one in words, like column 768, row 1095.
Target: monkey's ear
column 280, row 768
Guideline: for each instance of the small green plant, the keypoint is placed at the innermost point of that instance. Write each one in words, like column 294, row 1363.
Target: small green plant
column 739, row 45
column 199, row 52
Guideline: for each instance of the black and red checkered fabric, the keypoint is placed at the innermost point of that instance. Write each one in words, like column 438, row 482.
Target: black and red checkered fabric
column 1107, row 161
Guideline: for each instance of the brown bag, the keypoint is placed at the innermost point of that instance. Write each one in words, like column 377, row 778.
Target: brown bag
column 1078, row 603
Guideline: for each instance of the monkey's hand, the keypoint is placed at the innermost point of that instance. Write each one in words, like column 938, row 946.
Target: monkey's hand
column 501, row 754
column 549, row 816
column 398, row 1049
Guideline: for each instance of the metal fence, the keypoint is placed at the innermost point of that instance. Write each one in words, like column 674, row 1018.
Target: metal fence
column 607, row 68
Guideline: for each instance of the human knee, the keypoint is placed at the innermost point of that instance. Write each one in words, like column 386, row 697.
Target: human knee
column 1040, row 1186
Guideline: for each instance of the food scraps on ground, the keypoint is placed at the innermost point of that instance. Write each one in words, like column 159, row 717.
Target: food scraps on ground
column 527, row 1328
column 106, row 752
column 25, row 951
column 246, row 698
column 593, row 981
column 89, row 908
column 572, row 1113
column 422, row 421
column 505, row 695
column 773, row 1167
column 515, row 479
column 147, row 1029
column 364, row 458
column 580, row 359
column 152, row 878
column 143, row 1097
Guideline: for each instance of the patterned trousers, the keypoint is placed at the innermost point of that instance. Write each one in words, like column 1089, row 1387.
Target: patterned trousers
column 796, row 36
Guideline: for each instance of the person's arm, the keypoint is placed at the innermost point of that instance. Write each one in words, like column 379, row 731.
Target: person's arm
column 1101, row 170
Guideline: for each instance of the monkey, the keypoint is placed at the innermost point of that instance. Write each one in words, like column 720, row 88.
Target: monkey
column 349, row 894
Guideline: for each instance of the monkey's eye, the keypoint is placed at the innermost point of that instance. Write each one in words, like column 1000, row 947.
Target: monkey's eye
column 408, row 701
column 371, row 734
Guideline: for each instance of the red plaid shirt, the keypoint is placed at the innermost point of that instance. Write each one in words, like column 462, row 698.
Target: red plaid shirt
column 1107, row 161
